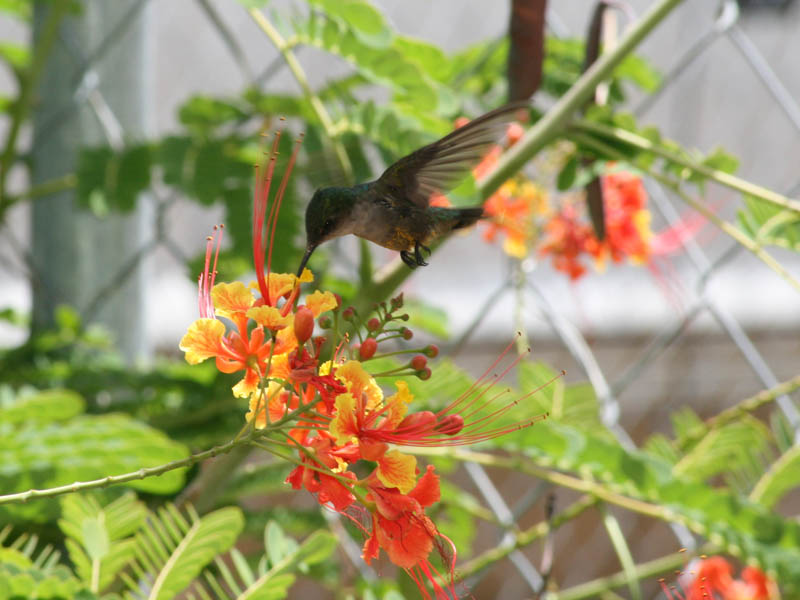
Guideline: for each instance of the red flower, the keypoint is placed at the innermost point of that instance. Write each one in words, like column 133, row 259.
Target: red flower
column 713, row 579
column 312, row 476
column 401, row 528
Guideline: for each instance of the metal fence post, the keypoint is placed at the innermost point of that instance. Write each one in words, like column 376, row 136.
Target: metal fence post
column 94, row 91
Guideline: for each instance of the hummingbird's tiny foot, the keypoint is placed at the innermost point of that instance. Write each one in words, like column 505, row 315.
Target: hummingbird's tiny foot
column 418, row 254
column 428, row 250
column 408, row 259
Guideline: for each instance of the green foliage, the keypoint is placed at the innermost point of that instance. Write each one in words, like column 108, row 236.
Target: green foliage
column 99, row 538
column 61, row 445
column 769, row 224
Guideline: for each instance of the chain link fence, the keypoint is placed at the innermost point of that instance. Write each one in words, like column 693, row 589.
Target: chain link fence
column 707, row 348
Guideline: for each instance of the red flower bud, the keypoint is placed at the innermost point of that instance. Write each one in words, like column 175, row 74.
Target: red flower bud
column 325, row 322
column 424, row 374
column 348, row 313
column 450, row 425
column 397, row 301
column 419, row 362
column 338, row 301
column 303, row 324
column 431, row 351
column 406, row 333
column 367, row 349
column 417, row 422
column 373, row 324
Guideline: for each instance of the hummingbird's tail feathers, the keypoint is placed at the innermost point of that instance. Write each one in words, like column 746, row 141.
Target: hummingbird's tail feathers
column 467, row 216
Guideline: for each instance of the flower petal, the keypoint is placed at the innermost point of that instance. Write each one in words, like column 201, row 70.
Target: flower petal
column 344, row 426
column 427, row 490
column 203, row 340
column 269, row 317
column 396, row 406
column 319, row 302
column 398, row 470
column 231, row 300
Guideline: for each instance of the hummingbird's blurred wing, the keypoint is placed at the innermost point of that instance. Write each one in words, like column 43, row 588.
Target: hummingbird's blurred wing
column 440, row 166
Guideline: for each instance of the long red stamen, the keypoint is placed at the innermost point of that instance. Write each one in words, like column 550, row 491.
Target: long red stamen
column 272, row 224
column 206, row 280
column 260, row 201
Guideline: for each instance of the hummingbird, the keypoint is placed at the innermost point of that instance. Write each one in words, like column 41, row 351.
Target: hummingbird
column 394, row 210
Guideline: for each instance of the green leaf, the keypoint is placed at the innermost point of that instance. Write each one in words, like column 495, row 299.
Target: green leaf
column 385, row 66
column 99, row 539
column 109, row 180
column 721, row 160
column 17, row 56
column 277, row 543
column 41, row 455
column 782, row 476
column 365, row 21
column 566, row 177
column 199, row 542
column 39, row 406
column 203, row 113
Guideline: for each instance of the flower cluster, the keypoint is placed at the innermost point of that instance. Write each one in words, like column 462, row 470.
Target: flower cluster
column 713, row 579
column 314, row 401
column 569, row 236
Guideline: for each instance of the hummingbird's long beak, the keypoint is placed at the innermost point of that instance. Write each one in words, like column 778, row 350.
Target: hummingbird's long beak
column 306, row 256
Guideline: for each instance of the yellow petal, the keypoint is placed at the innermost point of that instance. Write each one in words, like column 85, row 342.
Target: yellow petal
column 398, row 470
column 344, row 427
column 269, row 317
column 397, row 405
column 202, row 340
column 231, row 300
column 319, row 302
column 360, row 383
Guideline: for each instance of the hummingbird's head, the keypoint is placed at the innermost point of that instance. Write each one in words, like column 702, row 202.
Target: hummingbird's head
column 328, row 216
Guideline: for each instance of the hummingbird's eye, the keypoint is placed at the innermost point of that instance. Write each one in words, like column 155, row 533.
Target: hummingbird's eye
column 328, row 224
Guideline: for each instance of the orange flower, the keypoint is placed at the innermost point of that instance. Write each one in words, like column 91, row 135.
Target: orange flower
column 567, row 238
column 513, row 209
column 407, row 535
column 713, row 578
column 329, row 487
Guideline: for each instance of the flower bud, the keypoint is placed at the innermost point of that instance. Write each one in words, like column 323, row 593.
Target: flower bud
column 397, row 301
column 450, row 425
column 368, row 348
column 325, row 322
column 418, row 421
column 373, row 324
column 424, row 374
column 303, row 324
column 431, row 351
column 406, row 333
column 348, row 313
column 419, row 362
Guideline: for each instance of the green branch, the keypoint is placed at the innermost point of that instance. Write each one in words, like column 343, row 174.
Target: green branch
column 721, row 177
column 556, row 119
column 536, row 138
column 646, row 570
column 746, row 406
column 27, row 84
column 300, row 76
column 521, row 539
column 623, row 552
column 734, row 232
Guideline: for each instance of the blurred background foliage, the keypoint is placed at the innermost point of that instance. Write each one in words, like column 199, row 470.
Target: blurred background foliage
column 72, row 408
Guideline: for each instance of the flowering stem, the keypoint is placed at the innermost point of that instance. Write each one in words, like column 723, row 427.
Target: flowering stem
column 720, row 177
column 734, row 232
